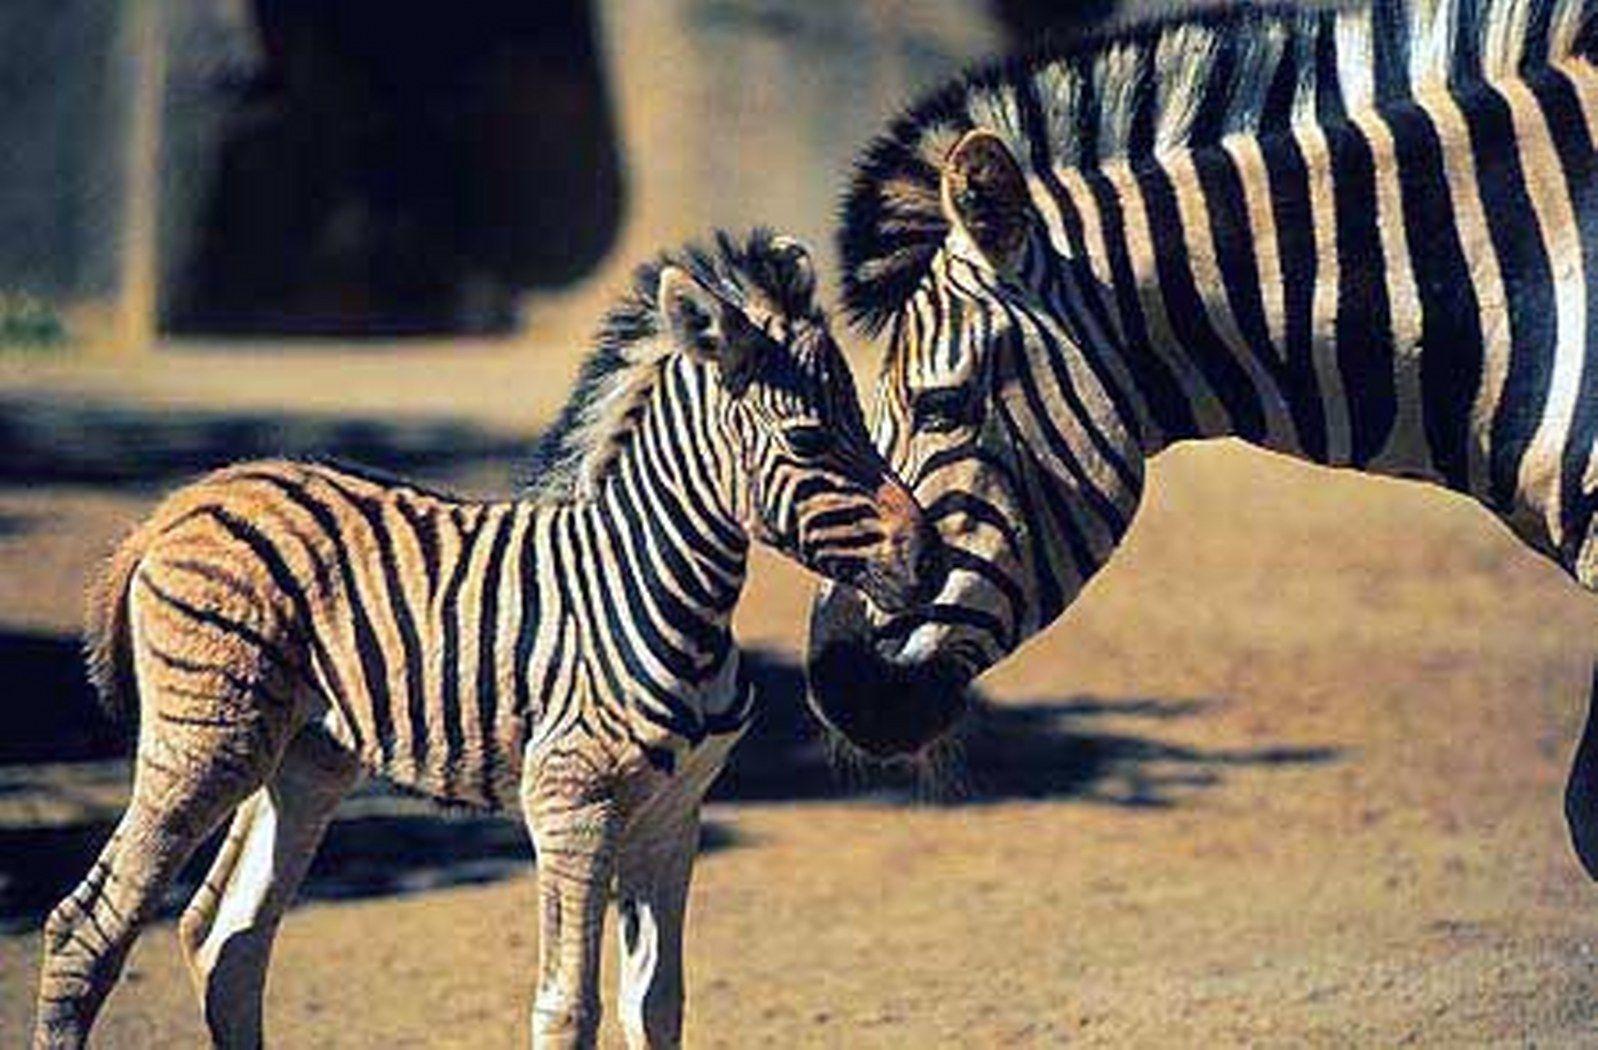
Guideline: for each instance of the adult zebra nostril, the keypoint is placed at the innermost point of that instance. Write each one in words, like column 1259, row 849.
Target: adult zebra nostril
column 881, row 708
column 931, row 566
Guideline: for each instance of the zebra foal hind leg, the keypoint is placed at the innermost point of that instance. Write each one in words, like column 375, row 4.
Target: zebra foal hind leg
column 652, row 879
column 228, row 928
column 574, row 819
column 179, row 795
column 655, row 866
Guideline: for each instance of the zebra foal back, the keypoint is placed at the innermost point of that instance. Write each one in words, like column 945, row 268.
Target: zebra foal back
column 395, row 615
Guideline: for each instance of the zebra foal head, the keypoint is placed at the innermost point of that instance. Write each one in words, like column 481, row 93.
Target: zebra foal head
column 799, row 468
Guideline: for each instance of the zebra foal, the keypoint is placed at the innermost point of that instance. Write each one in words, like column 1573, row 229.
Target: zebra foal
column 284, row 627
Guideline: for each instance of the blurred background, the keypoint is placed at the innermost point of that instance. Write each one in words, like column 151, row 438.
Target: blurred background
column 364, row 169
column 1289, row 771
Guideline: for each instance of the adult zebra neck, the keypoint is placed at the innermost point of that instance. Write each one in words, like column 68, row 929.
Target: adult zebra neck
column 1402, row 289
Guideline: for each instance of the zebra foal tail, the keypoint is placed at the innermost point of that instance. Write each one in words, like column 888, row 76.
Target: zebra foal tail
column 107, row 651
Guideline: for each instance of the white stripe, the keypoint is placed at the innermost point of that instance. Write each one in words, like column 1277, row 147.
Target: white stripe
column 1192, row 209
column 1323, row 309
column 1252, row 172
column 1540, row 468
column 1481, row 262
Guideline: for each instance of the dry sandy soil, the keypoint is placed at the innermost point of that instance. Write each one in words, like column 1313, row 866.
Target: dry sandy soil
column 1290, row 773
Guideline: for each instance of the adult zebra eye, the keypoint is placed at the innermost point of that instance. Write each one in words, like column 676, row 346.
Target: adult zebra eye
column 809, row 441
column 942, row 409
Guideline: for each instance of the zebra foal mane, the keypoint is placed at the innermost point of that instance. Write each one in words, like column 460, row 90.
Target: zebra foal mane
column 1137, row 93
column 616, row 378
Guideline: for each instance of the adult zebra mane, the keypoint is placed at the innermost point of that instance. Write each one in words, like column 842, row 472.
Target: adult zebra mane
column 616, row 378
column 1177, row 82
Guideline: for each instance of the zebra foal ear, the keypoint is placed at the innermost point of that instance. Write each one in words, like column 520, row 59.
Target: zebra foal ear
column 985, row 194
column 798, row 272
column 700, row 324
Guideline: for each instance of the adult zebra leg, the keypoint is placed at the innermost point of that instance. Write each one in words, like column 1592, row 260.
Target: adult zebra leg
column 1581, row 791
column 228, row 928
column 573, row 819
column 652, row 879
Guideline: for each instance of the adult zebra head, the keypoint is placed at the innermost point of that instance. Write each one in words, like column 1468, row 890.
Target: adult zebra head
column 1025, row 455
column 763, row 415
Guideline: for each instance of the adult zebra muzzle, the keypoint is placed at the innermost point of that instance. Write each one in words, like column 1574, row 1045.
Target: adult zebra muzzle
column 884, row 708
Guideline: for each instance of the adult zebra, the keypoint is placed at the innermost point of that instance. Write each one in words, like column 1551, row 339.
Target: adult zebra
column 282, row 627
column 1365, row 237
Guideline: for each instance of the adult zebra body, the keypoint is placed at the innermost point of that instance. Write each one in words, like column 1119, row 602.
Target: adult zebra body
column 1367, row 237
column 283, row 627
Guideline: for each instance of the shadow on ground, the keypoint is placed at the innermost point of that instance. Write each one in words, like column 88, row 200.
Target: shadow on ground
column 57, row 809
column 1036, row 750
column 54, row 442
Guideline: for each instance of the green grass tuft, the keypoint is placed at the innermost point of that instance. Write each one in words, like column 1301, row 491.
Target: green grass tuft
column 29, row 322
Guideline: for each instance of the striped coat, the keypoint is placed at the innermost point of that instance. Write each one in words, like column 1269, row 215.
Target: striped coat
column 1366, row 237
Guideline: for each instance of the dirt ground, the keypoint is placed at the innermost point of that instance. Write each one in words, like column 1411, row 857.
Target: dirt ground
column 1290, row 773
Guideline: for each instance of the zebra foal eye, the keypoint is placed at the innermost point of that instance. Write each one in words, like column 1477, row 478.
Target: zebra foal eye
column 941, row 409
column 808, row 440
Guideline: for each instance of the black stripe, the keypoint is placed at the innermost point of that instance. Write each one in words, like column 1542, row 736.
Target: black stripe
column 1466, row 65
column 1185, row 312
column 1364, row 318
column 284, row 578
column 487, row 664
column 666, row 710
column 527, row 626
column 369, row 654
column 1222, row 186
column 1296, row 248
column 423, row 523
column 371, row 510
column 1451, row 336
column 1528, row 281
column 226, row 624
column 1064, row 522
column 1391, row 44
column 1113, row 519
column 1075, row 269
column 1167, row 401
column 450, row 629
column 626, row 571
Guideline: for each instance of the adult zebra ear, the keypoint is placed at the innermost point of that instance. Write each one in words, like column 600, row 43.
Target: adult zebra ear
column 985, row 195
column 702, row 325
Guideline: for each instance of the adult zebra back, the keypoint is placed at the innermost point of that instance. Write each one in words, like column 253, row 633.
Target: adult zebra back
column 284, row 626
column 1365, row 237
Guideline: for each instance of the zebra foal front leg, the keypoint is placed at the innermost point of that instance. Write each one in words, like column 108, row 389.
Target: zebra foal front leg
column 574, row 821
